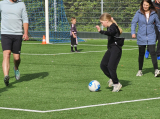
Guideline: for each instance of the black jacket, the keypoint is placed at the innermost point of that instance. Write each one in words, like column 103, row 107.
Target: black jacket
column 157, row 6
column 111, row 32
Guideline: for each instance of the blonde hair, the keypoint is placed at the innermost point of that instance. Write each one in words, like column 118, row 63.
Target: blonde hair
column 106, row 16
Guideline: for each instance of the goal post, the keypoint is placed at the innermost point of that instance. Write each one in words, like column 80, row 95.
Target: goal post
column 47, row 21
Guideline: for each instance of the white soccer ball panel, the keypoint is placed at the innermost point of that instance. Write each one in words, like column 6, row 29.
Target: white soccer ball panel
column 94, row 86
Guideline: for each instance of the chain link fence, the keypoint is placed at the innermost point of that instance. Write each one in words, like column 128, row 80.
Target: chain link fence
column 88, row 12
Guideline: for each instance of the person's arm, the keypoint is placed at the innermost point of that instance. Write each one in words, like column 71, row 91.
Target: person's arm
column 25, row 23
column 74, row 36
column 25, row 35
column 110, row 32
column 134, row 25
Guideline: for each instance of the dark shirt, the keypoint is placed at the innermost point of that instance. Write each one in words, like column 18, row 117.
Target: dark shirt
column 111, row 32
column 73, row 29
column 157, row 6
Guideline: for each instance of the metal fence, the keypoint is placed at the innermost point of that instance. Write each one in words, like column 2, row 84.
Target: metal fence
column 88, row 12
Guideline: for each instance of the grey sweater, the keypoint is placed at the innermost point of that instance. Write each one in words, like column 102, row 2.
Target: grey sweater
column 13, row 15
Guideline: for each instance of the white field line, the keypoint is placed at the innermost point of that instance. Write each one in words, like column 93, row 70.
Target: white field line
column 62, row 53
column 70, row 52
column 97, row 45
column 81, row 107
column 79, row 44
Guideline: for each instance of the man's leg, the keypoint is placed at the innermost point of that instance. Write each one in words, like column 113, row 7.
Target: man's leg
column 17, row 60
column 6, row 42
column 16, row 55
column 6, row 63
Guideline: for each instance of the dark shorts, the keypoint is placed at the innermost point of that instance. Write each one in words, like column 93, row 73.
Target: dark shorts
column 73, row 40
column 11, row 42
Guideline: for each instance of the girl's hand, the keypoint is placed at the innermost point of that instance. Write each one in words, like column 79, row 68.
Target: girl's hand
column 74, row 36
column 98, row 28
column 133, row 35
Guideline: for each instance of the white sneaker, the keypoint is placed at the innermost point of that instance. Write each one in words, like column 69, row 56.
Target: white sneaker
column 116, row 87
column 110, row 83
column 157, row 73
column 139, row 73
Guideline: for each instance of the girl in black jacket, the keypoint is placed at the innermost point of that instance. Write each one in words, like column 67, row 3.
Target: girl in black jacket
column 112, row 56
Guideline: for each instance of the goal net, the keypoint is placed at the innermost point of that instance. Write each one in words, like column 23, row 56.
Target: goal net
column 59, row 27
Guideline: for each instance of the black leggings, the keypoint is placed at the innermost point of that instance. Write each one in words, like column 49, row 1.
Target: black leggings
column 110, row 62
column 152, row 53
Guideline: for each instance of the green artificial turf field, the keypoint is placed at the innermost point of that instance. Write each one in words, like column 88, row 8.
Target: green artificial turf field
column 54, row 84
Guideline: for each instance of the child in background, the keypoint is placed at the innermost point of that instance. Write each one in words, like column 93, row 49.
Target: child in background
column 73, row 34
column 112, row 56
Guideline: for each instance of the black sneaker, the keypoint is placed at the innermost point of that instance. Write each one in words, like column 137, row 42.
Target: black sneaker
column 6, row 80
column 72, row 50
column 76, row 51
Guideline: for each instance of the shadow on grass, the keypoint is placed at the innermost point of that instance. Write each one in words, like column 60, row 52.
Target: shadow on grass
column 148, row 58
column 80, row 50
column 148, row 70
column 25, row 77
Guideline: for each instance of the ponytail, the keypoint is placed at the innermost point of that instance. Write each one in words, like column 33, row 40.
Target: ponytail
column 107, row 16
column 117, row 25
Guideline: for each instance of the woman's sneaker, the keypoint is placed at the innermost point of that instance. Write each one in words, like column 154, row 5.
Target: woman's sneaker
column 116, row 87
column 139, row 73
column 16, row 73
column 110, row 83
column 157, row 73
column 6, row 80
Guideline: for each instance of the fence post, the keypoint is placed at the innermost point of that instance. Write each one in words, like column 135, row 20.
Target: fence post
column 102, row 11
column 55, row 15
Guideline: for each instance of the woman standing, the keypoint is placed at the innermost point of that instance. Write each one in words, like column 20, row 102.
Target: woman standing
column 147, row 18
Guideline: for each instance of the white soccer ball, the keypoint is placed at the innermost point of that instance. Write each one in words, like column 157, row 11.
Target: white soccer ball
column 94, row 85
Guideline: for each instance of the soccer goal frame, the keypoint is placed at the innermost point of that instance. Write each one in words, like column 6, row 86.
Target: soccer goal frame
column 47, row 20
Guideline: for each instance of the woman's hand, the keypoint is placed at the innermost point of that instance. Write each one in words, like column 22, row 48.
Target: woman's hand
column 98, row 28
column 133, row 35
